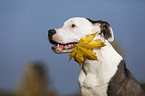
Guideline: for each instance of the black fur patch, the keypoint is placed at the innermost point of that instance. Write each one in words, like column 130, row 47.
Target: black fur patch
column 123, row 83
column 104, row 28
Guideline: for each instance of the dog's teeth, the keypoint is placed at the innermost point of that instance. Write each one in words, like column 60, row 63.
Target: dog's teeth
column 57, row 45
column 102, row 34
column 69, row 44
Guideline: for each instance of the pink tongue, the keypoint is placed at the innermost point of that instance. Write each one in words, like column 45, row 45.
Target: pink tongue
column 61, row 46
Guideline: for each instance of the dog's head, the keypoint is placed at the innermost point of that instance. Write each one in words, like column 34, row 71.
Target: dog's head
column 64, row 39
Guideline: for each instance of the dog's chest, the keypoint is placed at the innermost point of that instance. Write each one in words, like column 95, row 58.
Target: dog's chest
column 94, row 79
column 95, row 75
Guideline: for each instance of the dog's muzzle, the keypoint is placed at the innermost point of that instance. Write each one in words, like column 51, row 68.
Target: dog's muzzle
column 59, row 47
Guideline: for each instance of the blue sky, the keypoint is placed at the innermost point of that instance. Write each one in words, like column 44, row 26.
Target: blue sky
column 24, row 26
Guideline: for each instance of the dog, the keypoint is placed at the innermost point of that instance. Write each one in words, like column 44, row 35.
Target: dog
column 106, row 77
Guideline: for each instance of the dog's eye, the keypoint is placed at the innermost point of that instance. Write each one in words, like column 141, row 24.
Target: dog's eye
column 73, row 25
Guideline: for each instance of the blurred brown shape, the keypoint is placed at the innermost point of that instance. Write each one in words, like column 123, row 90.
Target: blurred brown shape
column 35, row 81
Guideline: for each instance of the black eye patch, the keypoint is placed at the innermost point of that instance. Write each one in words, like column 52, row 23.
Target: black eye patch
column 73, row 25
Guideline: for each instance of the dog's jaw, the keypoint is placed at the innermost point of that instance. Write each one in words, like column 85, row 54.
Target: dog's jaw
column 61, row 48
column 95, row 75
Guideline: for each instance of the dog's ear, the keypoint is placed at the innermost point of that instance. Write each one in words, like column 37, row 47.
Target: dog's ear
column 105, row 29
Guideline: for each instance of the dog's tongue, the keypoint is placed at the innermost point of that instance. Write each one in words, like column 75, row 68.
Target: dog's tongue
column 60, row 46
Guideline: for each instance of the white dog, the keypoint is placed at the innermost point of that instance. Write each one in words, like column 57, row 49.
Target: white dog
column 106, row 77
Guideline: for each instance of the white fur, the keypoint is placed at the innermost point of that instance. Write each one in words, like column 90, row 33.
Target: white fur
column 95, row 75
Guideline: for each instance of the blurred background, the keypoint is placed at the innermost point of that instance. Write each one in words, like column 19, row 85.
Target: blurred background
column 26, row 55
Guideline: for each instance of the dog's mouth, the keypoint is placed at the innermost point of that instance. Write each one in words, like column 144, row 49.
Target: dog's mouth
column 62, row 48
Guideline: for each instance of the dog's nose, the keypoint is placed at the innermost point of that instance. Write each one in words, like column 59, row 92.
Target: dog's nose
column 51, row 32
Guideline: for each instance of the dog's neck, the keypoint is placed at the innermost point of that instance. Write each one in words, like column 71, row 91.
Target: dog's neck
column 97, row 74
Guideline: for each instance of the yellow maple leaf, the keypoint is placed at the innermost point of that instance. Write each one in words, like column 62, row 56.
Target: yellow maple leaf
column 84, row 49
